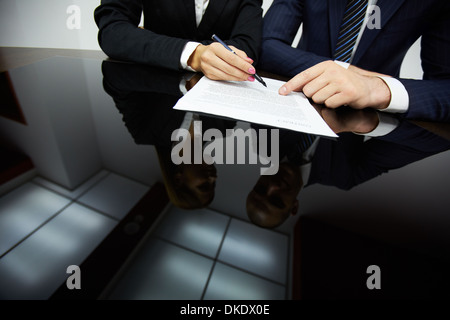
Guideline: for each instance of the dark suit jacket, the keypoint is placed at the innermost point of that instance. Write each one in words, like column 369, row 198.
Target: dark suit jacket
column 170, row 24
column 349, row 161
column 145, row 97
column 381, row 50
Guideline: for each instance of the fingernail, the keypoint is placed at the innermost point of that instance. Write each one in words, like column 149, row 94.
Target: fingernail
column 251, row 78
column 283, row 90
column 251, row 71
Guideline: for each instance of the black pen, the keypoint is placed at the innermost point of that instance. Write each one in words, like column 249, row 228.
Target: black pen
column 216, row 38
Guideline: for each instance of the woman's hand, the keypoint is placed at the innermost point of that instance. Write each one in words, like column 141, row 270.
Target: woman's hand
column 218, row 63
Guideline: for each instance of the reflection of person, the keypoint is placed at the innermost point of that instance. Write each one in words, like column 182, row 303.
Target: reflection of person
column 177, row 34
column 145, row 97
column 274, row 197
column 355, row 77
column 189, row 186
column 344, row 163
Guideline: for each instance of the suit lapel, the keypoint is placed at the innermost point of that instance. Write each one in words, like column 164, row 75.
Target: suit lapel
column 189, row 15
column 213, row 11
column 387, row 9
column 336, row 10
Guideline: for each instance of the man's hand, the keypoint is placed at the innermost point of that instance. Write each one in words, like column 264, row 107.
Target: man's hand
column 365, row 72
column 217, row 63
column 351, row 120
column 332, row 85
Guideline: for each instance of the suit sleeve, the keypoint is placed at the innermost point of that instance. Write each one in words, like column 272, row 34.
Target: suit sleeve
column 120, row 37
column 247, row 30
column 350, row 161
column 280, row 26
column 429, row 99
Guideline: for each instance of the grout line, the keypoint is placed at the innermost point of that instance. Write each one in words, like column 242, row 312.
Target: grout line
column 76, row 199
column 71, row 202
column 236, row 267
column 66, row 196
column 223, row 238
column 251, row 273
column 37, row 228
column 124, row 267
column 158, row 237
column 94, row 184
column 51, row 190
column 98, row 211
column 215, row 258
column 247, row 221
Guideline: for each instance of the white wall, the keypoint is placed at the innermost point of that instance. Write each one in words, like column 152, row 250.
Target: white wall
column 43, row 23
column 60, row 149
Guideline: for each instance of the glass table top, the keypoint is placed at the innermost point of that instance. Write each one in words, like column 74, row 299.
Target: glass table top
column 76, row 117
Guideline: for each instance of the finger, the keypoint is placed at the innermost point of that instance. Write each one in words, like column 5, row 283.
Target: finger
column 337, row 100
column 315, row 85
column 212, row 60
column 324, row 94
column 240, row 53
column 233, row 59
column 332, row 119
column 299, row 81
column 214, row 73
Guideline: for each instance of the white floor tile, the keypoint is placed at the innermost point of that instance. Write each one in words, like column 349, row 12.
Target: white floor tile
column 72, row 194
column 37, row 267
column 260, row 251
column 199, row 230
column 162, row 271
column 23, row 210
column 227, row 283
column 114, row 195
column 17, row 181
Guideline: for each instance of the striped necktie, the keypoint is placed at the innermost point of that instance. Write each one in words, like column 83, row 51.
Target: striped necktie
column 355, row 13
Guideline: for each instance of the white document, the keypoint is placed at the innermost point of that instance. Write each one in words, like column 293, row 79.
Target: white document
column 252, row 102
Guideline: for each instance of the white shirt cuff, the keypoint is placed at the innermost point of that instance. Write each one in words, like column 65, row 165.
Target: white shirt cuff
column 399, row 96
column 386, row 125
column 189, row 48
column 342, row 64
column 186, row 77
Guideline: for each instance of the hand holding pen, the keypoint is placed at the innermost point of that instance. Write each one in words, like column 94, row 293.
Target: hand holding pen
column 216, row 38
column 219, row 63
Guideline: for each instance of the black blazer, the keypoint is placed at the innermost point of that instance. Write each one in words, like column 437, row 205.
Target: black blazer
column 145, row 97
column 170, row 24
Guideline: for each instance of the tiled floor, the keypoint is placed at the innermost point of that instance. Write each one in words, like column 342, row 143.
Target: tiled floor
column 204, row 254
column 201, row 254
column 44, row 228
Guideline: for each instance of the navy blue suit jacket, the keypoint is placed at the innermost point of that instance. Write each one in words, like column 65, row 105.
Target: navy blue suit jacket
column 350, row 161
column 380, row 50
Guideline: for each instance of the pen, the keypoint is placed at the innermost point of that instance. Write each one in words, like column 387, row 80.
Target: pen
column 216, row 38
